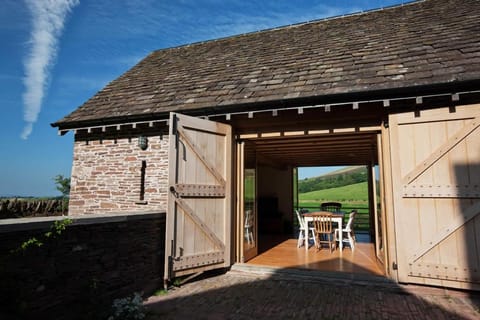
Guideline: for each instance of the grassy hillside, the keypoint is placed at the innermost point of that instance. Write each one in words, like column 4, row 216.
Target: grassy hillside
column 354, row 196
column 343, row 177
column 348, row 186
column 353, row 192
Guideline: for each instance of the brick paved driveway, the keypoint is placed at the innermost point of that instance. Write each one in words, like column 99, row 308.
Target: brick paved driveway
column 282, row 294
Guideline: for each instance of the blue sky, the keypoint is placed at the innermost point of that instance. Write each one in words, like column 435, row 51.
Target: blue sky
column 56, row 54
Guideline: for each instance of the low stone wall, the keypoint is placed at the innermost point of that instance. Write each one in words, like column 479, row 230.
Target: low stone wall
column 76, row 273
column 19, row 208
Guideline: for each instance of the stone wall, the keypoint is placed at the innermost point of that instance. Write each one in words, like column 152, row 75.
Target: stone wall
column 76, row 274
column 32, row 207
column 111, row 173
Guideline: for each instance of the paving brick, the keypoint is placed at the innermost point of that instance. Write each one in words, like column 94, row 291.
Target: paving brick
column 255, row 295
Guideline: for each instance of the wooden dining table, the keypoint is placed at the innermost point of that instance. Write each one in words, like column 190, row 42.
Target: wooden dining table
column 337, row 217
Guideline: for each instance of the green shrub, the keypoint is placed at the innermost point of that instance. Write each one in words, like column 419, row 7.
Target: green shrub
column 129, row 308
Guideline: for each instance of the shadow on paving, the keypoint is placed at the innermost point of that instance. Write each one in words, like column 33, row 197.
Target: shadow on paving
column 247, row 292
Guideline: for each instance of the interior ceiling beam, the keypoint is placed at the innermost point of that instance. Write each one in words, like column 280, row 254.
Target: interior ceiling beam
column 278, row 163
column 309, row 140
column 333, row 151
column 290, row 139
column 297, row 157
column 320, row 155
column 311, row 145
column 322, row 152
column 302, row 134
column 326, row 147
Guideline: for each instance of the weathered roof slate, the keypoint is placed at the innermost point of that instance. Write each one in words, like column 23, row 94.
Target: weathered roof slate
column 418, row 44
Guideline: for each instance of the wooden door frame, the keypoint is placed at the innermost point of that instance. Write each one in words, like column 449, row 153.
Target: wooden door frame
column 373, row 202
column 385, row 189
column 390, row 245
column 240, row 205
column 239, row 233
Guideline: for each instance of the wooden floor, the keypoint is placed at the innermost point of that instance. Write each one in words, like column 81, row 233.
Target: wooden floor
column 278, row 251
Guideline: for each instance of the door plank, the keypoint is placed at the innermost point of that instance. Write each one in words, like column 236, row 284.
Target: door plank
column 194, row 261
column 441, row 151
column 457, row 221
column 199, row 222
column 200, row 156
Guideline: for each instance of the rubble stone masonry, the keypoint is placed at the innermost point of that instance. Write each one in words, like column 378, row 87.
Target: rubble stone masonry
column 111, row 174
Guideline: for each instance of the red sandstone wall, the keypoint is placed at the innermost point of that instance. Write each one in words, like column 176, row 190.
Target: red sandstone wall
column 107, row 175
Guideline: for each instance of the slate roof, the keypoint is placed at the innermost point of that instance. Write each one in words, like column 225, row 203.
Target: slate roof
column 417, row 44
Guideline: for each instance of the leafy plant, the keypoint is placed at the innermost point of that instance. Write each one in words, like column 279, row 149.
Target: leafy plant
column 177, row 282
column 160, row 292
column 55, row 230
column 63, row 185
column 58, row 227
column 128, row 308
column 31, row 242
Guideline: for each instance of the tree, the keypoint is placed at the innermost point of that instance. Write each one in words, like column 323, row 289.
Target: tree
column 63, row 185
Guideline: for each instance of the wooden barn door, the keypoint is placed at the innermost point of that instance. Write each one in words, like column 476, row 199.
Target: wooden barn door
column 436, row 187
column 199, row 215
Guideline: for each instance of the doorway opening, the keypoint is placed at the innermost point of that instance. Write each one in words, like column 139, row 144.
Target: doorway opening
column 277, row 163
column 345, row 187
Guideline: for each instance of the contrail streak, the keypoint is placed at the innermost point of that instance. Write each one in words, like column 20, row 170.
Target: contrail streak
column 48, row 19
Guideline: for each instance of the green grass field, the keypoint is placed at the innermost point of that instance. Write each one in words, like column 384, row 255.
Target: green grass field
column 352, row 193
column 354, row 196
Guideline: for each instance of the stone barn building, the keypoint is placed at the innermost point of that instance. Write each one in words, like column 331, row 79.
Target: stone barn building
column 213, row 133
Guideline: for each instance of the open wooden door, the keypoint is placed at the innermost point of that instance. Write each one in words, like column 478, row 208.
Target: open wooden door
column 379, row 205
column 199, row 215
column 247, row 227
column 435, row 156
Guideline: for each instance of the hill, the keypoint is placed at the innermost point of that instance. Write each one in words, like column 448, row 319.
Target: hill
column 335, row 179
column 353, row 192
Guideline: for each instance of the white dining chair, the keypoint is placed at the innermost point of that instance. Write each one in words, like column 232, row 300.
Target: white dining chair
column 249, row 227
column 348, row 233
column 301, row 232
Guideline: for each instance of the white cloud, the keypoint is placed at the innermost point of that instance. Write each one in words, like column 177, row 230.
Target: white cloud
column 48, row 19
